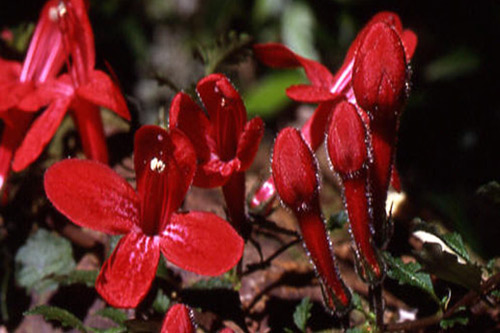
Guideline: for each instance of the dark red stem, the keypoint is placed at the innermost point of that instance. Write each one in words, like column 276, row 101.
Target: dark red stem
column 234, row 194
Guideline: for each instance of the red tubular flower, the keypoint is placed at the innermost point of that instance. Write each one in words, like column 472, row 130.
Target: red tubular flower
column 326, row 89
column 294, row 171
column 83, row 90
column 346, row 146
column 224, row 141
column 379, row 83
column 18, row 83
column 178, row 320
column 92, row 195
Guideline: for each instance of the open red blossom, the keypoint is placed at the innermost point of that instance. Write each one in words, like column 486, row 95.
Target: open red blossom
column 92, row 195
column 225, row 142
column 178, row 320
column 295, row 174
column 82, row 90
column 325, row 88
column 18, row 84
column 348, row 152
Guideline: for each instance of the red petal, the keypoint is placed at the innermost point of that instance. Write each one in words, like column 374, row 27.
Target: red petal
column 277, row 55
column 202, row 243
column 346, row 141
column 178, row 320
column 314, row 129
column 410, row 41
column 215, row 172
column 309, row 94
column 294, row 170
column 92, row 195
column 395, row 179
column 379, row 75
column 186, row 115
column 226, row 113
column 165, row 164
column 89, row 123
column 40, row 134
column 249, row 141
column 126, row 276
column 101, row 90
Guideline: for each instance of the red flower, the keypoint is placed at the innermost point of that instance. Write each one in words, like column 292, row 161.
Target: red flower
column 224, row 141
column 326, row 89
column 18, row 83
column 295, row 171
column 346, row 137
column 178, row 320
column 91, row 195
column 83, row 90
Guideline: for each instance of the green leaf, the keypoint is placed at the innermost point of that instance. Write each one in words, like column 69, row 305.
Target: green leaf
column 268, row 97
column 221, row 282
column 409, row 274
column 459, row 62
column 86, row 277
column 44, row 255
column 161, row 302
column 119, row 329
column 116, row 315
column 302, row 314
column 66, row 318
column 458, row 318
column 337, row 220
column 454, row 240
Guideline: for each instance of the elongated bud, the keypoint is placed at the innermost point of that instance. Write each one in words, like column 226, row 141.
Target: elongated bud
column 178, row 320
column 295, row 176
column 347, row 148
column 379, row 74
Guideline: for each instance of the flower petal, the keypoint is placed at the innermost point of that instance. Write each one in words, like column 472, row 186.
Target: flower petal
column 249, row 141
column 215, row 172
column 202, row 243
column 294, row 170
column 410, row 41
column 309, row 94
column 126, row 276
column 187, row 116
column 177, row 320
column 92, row 195
column 226, row 113
column 277, row 55
column 101, row 90
column 41, row 132
column 88, row 121
column 165, row 164
column 314, row 129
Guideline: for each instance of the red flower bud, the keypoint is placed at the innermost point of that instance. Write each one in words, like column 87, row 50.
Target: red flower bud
column 348, row 151
column 379, row 75
column 295, row 176
column 178, row 320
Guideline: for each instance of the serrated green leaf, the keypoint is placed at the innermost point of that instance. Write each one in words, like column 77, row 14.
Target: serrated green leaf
column 302, row 314
column 86, row 277
column 221, row 282
column 269, row 96
column 161, row 302
column 63, row 316
column 454, row 240
column 116, row 315
column 44, row 255
column 409, row 274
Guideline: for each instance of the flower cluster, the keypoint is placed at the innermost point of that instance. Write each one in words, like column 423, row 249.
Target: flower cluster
column 358, row 111
column 63, row 35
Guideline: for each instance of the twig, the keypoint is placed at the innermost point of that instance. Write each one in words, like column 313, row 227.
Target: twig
column 470, row 298
column 377, row 304
column 263, row 264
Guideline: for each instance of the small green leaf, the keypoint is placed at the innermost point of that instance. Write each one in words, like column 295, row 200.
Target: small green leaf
column 116, row 315
column 66, row 318
column 409, row 274
column 302, row 314
column 161, row 302
column 268, row 97
column 460, row 62
column 86, row 277
column 456, row 319
column 337, row 220
column 454, row 240
column 119, row 329
column 44, row 255
column 221, row 282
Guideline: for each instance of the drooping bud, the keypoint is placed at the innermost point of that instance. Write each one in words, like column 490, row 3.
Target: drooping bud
column 348, row 151
column 178, row 320
column 379, row 74
column 295, row 175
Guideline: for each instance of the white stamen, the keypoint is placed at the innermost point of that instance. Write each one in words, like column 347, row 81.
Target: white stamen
column 157, row 165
